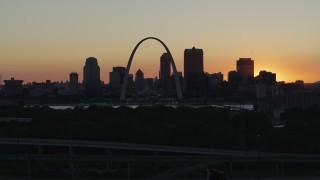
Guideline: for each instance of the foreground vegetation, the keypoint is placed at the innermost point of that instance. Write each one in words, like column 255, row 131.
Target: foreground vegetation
column 183, row 126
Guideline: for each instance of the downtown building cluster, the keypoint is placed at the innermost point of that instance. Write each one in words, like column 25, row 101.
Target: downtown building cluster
column 195, row 82
column 241, row 84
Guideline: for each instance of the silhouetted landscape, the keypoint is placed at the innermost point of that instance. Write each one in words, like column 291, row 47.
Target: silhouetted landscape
column 194, row 125
column 160, row 90
column 203, row 127
column 183, row 126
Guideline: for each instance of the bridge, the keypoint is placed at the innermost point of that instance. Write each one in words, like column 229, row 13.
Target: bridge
column 153, row 148
column 153, row 154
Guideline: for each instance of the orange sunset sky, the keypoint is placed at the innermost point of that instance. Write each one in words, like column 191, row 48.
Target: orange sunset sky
column 42, row 39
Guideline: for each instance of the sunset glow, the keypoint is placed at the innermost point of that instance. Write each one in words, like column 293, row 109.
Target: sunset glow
column 49, row 39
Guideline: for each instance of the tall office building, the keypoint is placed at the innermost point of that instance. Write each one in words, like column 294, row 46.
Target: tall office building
column 165, row 68
column 266, row 77
column 215, row 80
column 114, row 83
column 165, row 71
column 13, row 87
column 74, row 82
column 121, row 71
column 139, row 80
column 193, row 72
column 193, row 61
column 114, row 79
column 91, row 77
column 233, row 81
column 233, row 77
column 130, row 84
column 148, row 84
column 91, row 70
column 245, row 68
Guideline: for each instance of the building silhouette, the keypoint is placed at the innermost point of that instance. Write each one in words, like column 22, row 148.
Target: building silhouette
column 74, row 83
column 193, row 61
column 172, row 85
column 193, row 72
column 233, row 81
column 130, row 84
column 215, row 81
column 91, row 70
column 121, row 71
column 139, row 81
column 245, row 68
column 116, row 79
column 91, row 77
column 148, row 84
column 299, row 84
column 114, row 83
column 165, row 71
column 13, row 87
column 293, row 99
column 266, row 77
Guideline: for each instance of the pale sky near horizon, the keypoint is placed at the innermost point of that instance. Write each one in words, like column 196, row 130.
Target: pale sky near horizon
column 48, row 39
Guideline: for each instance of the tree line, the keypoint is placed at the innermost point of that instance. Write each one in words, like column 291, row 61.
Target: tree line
column 206, row 127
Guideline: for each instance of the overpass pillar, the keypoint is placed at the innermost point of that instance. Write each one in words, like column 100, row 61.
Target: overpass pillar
column 129, row 171
column 246, row 165
column 277, row 168
column 71, row 161
column 108, row 154
column 29, row 168
column 40, row 162
column 282, row 168
column 230, row 168
column 156, row 161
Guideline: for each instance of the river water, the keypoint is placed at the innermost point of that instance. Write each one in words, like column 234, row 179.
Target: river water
column 133, row 106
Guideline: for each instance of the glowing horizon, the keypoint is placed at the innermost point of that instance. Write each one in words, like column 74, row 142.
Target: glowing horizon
column 49, row 39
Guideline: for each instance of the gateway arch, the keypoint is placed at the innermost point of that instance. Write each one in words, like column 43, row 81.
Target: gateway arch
column 175, row 73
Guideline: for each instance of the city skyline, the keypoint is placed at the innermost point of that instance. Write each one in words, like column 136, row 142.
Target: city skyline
column 48, row 40
column 107, row 81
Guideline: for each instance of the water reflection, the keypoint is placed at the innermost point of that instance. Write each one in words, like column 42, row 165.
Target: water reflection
column 134, row 106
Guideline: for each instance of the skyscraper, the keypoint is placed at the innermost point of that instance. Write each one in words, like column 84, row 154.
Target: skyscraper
column 13, row 87
column 234, row 80
column 130, row 85
column 245, row 68
column 193, row 72
column 91, row 77
column 193, row 61
column 165, row 68
column 266, row 77
column 74, row 82
column 121, row 71
column 165, row 71
column 233, row 77
column 215, row 80
column 139, row 80
column 116, row 79
column 91, row 70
